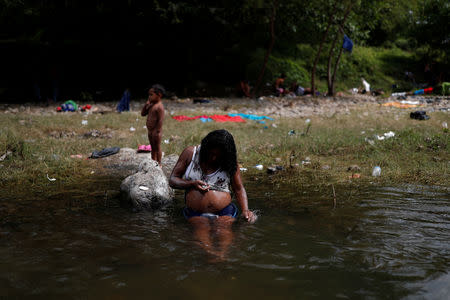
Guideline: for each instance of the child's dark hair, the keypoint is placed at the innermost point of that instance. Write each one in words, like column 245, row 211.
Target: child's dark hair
column 224, row 141
column 159, row 89
column 283, row 75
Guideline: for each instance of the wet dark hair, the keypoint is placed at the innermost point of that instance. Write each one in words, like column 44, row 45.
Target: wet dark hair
column 159, row 89
column 224, row 141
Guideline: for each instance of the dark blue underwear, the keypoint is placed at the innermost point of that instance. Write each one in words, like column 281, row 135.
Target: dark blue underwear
column 230, row 210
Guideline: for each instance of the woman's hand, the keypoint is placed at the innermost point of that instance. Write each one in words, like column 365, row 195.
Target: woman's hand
column 249, row 216
column 200, row 185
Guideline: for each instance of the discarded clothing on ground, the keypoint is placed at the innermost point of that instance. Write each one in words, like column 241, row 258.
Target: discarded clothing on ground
column 251, row 117
column 144, row 148
column 419, row 115
column 69, row 105
column 424, row 91
column 227, row 118
column 400, row 104
column 105, row 152
column 217, row 118
column 186, row 118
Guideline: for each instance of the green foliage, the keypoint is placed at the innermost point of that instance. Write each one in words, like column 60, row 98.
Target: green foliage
column 293, row 68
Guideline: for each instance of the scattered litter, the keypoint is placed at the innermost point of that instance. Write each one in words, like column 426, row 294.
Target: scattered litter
column 259, row 167
column 201, row 101
column 363, row 132
column 143, row 188
column 376, row 171
column 307, row 161
column 370, row 141
column 326, row 167
column 277, row 159
column 398, row 94
column 4, row 156
column 145, row 126
column 291, row 132
column 272, row 170
column 354, row 91
column 380, row 137
column 132, row 129
column 92, row 172
column 85, row 108
column 51, row 179
column 97, row 134
column 84, row 122
column 410, row 102
column 419, row 115
column 166, row 141
column 354, row 168
column 354, row 175
column 366, row 85
column 389, row 134
column 274, row 125
column 243, row 169
column 137, row 120
column 444, row 125
column 307, row 121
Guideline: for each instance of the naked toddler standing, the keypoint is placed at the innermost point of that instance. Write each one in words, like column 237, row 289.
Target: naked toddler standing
column 154, row 110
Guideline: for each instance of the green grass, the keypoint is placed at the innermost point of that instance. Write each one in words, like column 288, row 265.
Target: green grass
column 419, row 152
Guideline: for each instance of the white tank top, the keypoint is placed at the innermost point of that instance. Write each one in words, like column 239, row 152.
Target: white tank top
column 218, row 180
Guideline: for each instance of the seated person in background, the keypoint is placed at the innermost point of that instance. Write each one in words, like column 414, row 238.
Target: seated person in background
column 297, row 89
column 206, row 173
column 244, row 89
column 124, row 104
column 279, row 85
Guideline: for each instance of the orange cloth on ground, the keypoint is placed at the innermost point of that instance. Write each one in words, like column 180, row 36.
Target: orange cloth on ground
column 400, row 105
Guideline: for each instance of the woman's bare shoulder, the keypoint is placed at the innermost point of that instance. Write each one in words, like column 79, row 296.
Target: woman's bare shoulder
column 187, row 153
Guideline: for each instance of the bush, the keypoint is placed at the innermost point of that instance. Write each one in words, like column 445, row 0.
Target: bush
column 277, row 65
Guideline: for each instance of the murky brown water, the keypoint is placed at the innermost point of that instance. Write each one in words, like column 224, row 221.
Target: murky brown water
column 388, row 243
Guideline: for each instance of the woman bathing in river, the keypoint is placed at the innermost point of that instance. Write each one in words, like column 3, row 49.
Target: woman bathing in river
column 206, row 172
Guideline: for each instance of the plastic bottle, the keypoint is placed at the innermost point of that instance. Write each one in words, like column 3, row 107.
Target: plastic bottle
column 376, row 171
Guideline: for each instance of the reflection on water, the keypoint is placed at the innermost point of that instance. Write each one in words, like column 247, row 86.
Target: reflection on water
column 391, row 243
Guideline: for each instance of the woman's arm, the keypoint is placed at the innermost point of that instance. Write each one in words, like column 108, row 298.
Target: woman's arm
column 176, row 180
column 241, row 196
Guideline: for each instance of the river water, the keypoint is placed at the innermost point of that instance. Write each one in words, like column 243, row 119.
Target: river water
column 382, row 242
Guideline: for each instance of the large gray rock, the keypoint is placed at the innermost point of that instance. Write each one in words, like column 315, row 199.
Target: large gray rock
column 148, row 188
column 168, row 163
column 127, row 162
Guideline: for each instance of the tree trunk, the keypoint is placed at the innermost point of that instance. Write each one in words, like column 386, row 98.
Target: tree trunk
column 316, row 60
column 269, row 49
column 331, row 86
column 330, row 77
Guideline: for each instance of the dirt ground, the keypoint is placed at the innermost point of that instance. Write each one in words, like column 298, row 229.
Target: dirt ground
column 270, row 106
